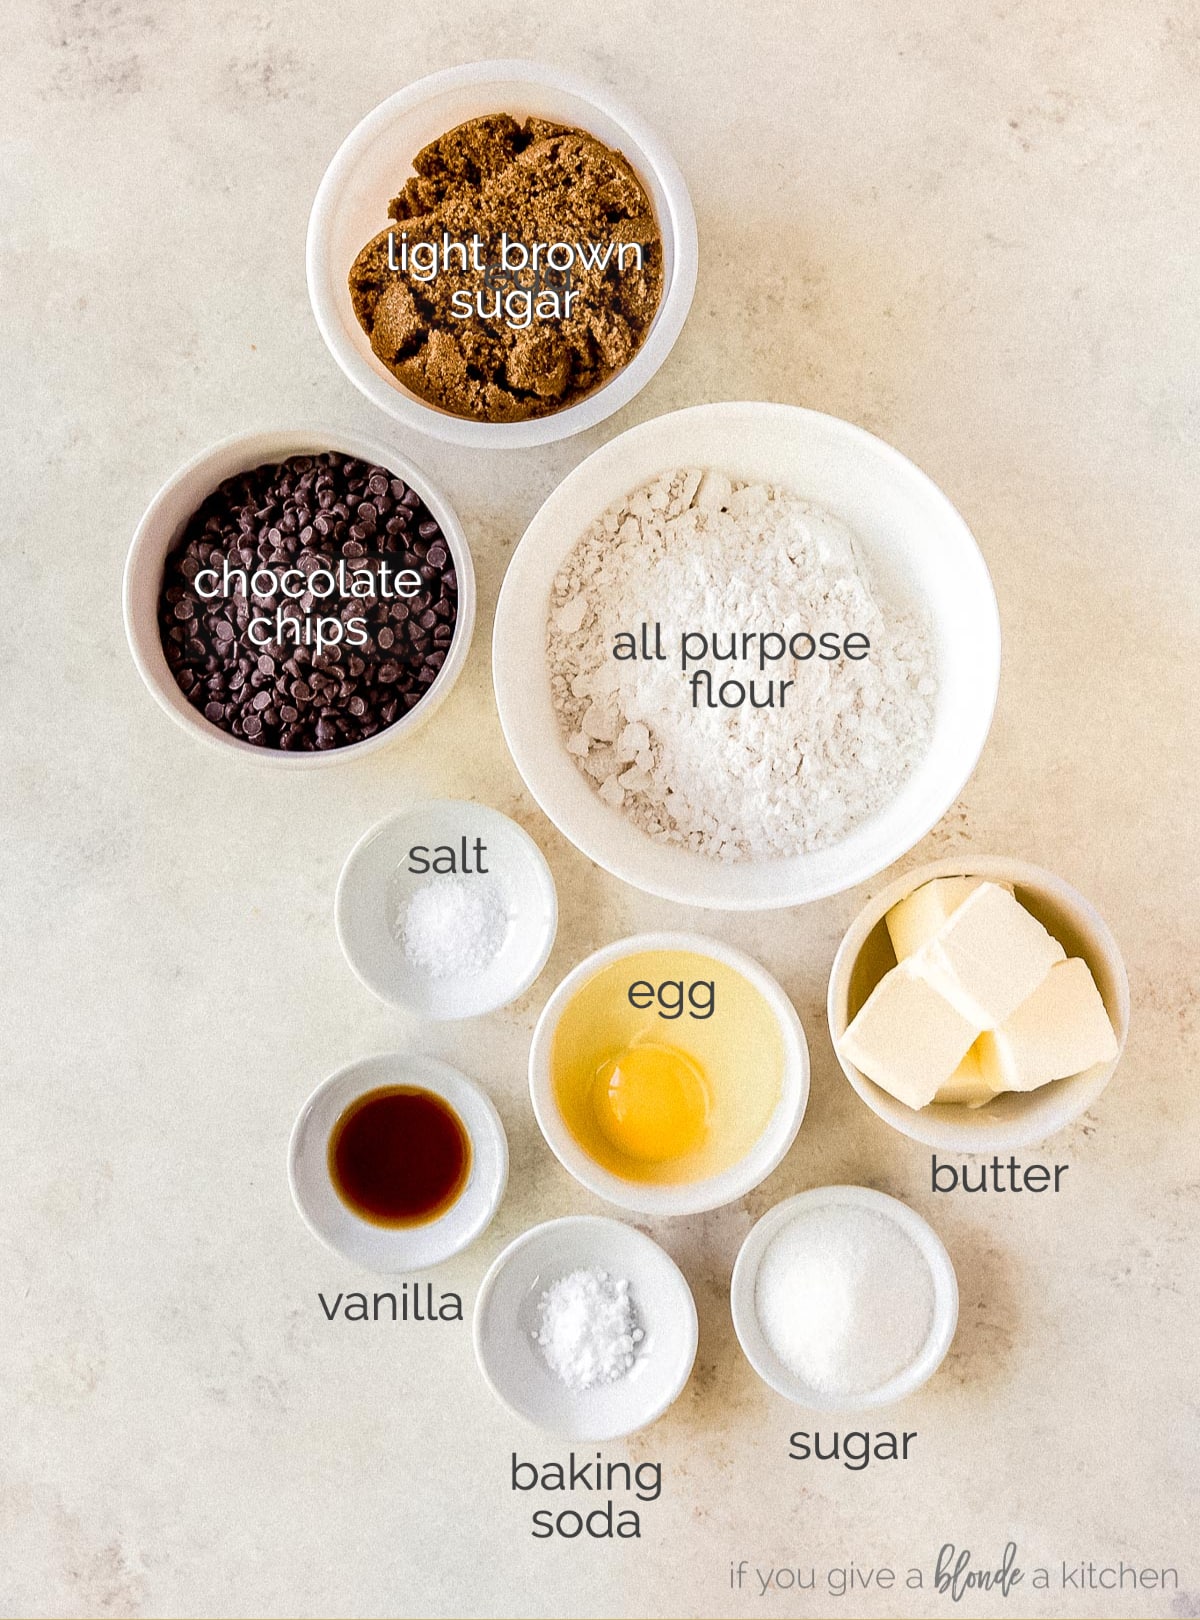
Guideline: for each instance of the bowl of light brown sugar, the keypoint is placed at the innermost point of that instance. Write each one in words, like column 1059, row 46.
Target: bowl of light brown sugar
column 500, row 255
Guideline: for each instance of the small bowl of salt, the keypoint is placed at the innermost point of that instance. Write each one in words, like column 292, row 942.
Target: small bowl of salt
column 844, row 1298
column 447, row 909
column 586, row 1328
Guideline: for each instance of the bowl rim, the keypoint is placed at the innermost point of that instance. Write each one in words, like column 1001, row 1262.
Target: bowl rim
column 390, row 396
column 511, row 671
column 539, row 871
column 682, row 1198
column 444, row 1080
column 743, row 1307
column 684, row 1313
column 971, row 1135
column 256, row 447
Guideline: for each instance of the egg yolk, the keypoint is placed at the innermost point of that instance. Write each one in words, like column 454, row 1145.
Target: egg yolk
column 651, row 1102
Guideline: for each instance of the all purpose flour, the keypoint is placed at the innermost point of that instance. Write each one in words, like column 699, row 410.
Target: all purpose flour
column 693, row 590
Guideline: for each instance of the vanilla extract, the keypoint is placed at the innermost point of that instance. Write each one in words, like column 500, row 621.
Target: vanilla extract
column 411, row 1302
column 399, row 1156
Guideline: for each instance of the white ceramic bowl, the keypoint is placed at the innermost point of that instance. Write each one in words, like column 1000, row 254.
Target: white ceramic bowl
column 1014, row 1119
column 377, row 883
column 163, row 524
column 374, row 161
column 507, row 1318
column 686, row 1198
column 919, row 550
column 754, row 1343
column 408, row 1248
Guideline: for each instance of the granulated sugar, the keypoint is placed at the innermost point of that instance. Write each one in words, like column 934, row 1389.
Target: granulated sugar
column 845, row 1299
column 693, row 552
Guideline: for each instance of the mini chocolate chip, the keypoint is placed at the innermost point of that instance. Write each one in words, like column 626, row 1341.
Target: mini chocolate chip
column 306, row 512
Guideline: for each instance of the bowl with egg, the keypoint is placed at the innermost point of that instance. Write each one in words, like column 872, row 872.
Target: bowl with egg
column 978, row 1004
column 669, row 1073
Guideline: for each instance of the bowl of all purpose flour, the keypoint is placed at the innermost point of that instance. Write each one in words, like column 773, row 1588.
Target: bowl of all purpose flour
column 746, row 655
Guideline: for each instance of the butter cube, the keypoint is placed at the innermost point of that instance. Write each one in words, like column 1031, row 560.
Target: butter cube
column 920, row 914
column 988, row 957
column 1061, row 1029
column 907, row 1037
column 968, row 1085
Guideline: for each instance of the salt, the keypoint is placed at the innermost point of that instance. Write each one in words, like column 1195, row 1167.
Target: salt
column 450, row 926
column 845, row 1299
column 587, row 1329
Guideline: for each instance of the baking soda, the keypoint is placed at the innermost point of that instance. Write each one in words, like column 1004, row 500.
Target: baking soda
column 587, row 1330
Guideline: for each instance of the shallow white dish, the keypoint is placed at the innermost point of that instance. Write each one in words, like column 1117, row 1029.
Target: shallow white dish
column 918, row 549
column 371, row 166
column 686, row 1198
column 753, row 1341
column 376, row 885
column 506, row 1320
column 408, row 1248
column 162, row 526
column 1015, row 1119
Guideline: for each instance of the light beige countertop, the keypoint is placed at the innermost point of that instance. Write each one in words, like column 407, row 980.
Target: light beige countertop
column 972, row 229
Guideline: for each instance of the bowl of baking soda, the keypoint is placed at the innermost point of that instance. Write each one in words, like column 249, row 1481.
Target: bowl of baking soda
column 844, row 1298
column 746, row 655
column 586, row 1327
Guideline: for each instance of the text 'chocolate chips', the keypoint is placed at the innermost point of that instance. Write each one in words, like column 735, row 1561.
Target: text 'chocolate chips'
column 263, row 678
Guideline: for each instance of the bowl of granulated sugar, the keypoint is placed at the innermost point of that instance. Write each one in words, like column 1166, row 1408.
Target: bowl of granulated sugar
column 844, row 1298
column 746, row 655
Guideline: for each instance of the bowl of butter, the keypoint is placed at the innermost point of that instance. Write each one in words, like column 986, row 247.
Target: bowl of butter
column 978, row 1004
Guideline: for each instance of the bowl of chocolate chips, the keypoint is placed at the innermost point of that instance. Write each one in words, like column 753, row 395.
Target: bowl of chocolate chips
column 300, row 597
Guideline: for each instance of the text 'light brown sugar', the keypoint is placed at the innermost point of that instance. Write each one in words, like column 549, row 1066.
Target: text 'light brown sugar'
column 523, row 270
